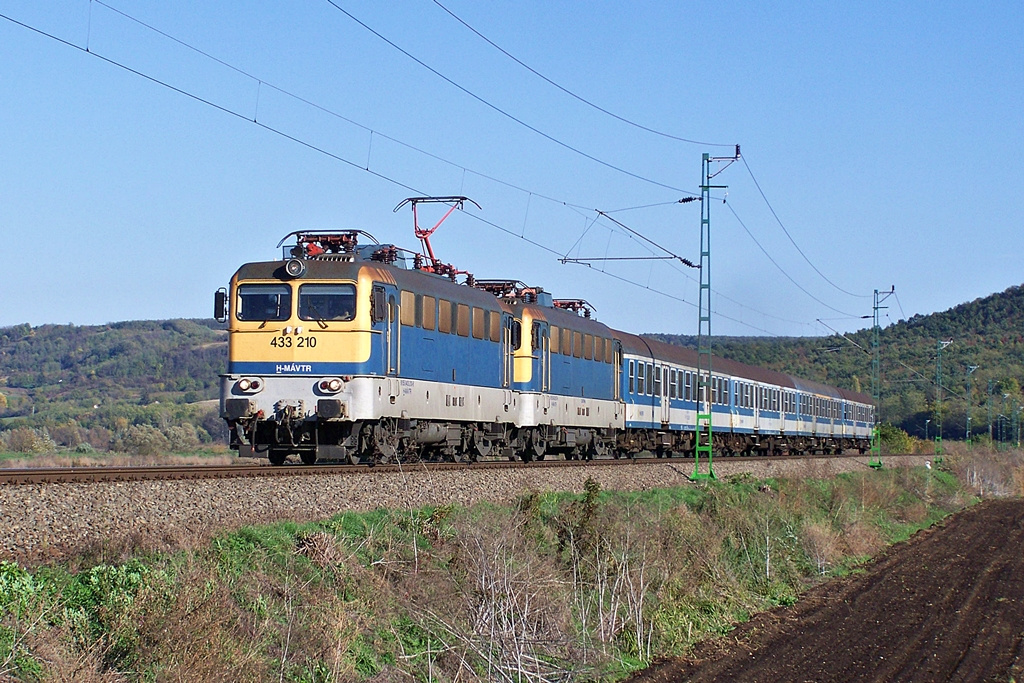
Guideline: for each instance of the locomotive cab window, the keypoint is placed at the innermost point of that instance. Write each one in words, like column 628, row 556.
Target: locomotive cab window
column 327, row 302
column 264, row 302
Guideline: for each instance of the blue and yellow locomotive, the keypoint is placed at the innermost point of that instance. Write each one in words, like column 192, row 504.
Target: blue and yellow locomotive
column 346, row 351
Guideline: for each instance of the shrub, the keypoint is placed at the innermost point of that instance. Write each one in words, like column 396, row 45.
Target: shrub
column 27, row 440
column 145, row 440
column 182, row 439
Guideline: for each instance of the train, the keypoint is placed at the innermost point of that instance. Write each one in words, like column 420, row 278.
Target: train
column 347, row 349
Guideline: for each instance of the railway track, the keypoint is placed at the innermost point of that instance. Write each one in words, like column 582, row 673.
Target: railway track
column 85, row 475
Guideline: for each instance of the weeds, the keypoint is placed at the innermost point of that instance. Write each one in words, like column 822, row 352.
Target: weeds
column 558, row 587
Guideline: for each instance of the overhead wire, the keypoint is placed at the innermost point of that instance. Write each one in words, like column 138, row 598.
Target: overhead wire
column 342, row 117
column 780, row 268
column 570, row 92
column 631, row 232
column 572, row 206
column 577, row 207
column 792, row 241
column 337, row 157
column 923, row 378
column 501, row 111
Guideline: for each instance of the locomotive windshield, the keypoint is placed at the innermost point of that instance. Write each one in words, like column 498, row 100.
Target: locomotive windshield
column 327, row 302
column 264, row 302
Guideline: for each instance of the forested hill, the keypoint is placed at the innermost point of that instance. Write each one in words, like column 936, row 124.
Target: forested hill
column 158, row 373
column 986, row 332
column 154, row 373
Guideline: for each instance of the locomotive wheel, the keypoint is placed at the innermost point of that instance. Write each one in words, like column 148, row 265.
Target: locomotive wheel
column 277, row 456
column 480, row 447
column 308, row 457
column 535, row 445
column 382, row 443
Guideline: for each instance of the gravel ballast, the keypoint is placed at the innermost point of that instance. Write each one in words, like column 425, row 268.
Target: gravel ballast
column 46, row 522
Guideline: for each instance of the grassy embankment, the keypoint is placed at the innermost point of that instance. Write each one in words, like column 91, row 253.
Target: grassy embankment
column 558, row 587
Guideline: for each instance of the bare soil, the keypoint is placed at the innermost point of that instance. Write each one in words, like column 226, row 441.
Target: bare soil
column 946, row 605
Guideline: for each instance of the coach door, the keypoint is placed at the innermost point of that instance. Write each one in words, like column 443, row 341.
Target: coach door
column 541, row 341
column 666, row 405
column 385, row 316
column 511, row 333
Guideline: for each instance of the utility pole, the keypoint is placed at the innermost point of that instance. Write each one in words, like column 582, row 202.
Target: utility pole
column 970, row 371
column 705, row 408
column 989, row 403
column 1002, row 418
column 938, row 395
column 875, row 461
column 1017, row 425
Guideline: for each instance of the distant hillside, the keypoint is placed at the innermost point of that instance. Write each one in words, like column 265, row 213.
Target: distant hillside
column 72, row 379
column 154, row 373
column 987, row 332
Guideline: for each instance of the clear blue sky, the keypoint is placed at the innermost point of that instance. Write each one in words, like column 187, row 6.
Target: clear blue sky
column 887, row 136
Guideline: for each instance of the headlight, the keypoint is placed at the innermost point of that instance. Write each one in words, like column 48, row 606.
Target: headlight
column 249, row 385
column 330, row 386
column 295, row 267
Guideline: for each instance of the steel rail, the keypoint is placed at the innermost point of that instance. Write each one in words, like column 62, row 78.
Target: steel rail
column 86, row 475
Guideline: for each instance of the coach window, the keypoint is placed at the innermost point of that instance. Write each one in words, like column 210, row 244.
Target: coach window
column 632, row 372
column 327, row 302
column 650, row 379
column 429, row 316
column 672, row 383
column 462, row 320
column 408, row 314
column 640, row 378
column 444, row 316
column 478, row 323
column 267, row 302
column 657, row 380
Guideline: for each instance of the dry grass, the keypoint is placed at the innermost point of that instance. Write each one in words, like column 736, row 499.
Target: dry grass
column 986, row 472
column 822, row 543
column 117, row 460
column 558, row 589
column 860, row 538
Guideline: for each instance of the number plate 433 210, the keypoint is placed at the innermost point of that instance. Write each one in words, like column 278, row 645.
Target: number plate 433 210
column 286, row 342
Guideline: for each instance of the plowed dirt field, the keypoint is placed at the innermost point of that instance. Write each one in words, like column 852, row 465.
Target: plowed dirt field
column 947, row 605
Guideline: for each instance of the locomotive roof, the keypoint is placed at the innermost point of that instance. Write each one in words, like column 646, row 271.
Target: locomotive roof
column 442, row 287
